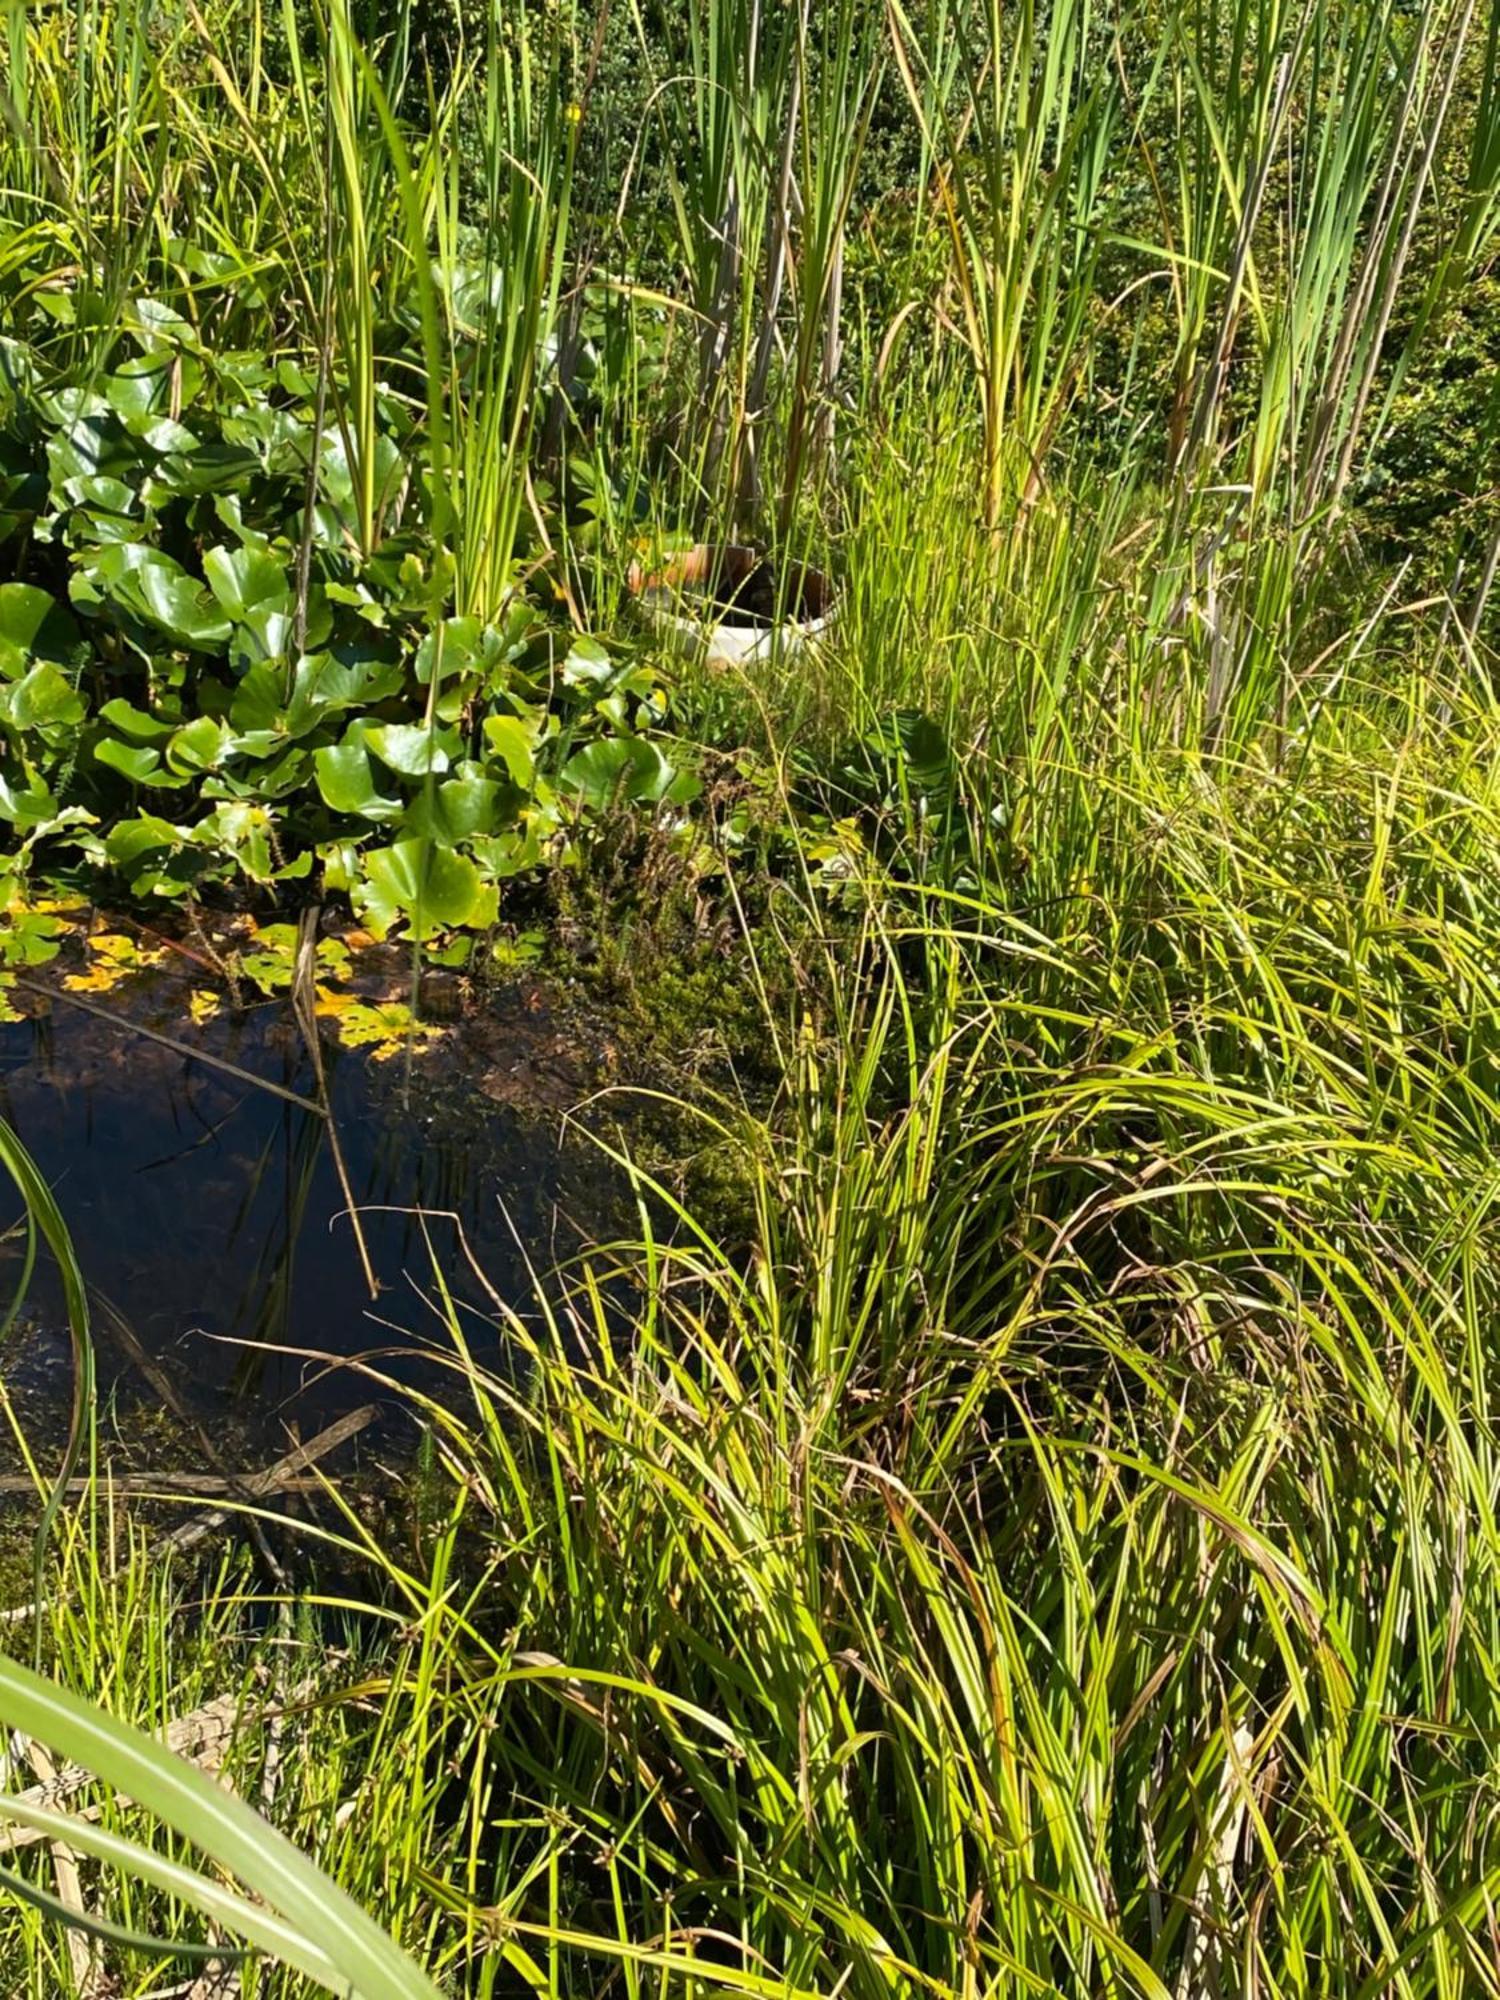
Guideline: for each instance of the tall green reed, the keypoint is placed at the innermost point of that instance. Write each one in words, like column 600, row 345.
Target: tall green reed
column 501, row 287
column 1046, row 1543
column 724, row 113
column 1018, row 111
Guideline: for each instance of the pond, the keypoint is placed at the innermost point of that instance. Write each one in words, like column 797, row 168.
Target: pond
column 209, row 1214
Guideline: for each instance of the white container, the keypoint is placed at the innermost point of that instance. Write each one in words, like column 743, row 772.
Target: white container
column 689, row 603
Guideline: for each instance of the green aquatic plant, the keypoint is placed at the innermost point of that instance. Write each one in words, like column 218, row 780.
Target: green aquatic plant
column 44, row 1225
column 1026, row 1554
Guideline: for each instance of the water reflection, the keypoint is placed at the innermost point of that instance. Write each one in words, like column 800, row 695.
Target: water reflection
column 210, row 1216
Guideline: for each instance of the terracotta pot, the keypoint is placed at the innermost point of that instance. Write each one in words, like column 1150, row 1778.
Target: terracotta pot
column 715, row 602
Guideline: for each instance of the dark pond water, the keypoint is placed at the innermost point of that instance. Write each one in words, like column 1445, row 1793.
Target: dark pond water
column 209, row 1217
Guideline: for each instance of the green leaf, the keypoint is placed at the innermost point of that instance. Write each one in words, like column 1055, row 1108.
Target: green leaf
column 451, row 646
column 407, row 747
column 243, row 830
column 266, row 634
column 199, row 745
column 42, row 698
column 31, row 937
column 322, row 686
column 244, row 579
column 162, row 323
column 141, row 391
column 459, row 809
column 93, row 443
column 133, row 839
column 619, row 768
column 28, row 809
column 340, row 859
column 587, row 662
column 179, row 605
column 281, row 768
column 326, row 1924
column 347, row 783
column 514, row 852
column 33, row 624
column 136, row 761
column 108, row 496
column 510, row 739
column 431, row 886
column 156, row 589
column 135, row 722
column 165, row 436
column 256, row 707
column 924, row 749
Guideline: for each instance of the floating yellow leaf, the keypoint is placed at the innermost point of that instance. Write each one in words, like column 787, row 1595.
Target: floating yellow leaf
column 113, row 957
column 383, row 1029
column 331, row 1003
column 203, row 1004
column 272, row 963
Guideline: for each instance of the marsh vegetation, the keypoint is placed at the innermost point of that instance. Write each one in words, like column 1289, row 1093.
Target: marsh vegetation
column 1003, row 1497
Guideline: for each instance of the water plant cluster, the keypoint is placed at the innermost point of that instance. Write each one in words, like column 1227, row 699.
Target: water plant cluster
column 1032, row 1529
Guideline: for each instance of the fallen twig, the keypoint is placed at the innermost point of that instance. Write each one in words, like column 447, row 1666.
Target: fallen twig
column 261, row 1486
column 125, row 1337
column 157, row 1485
column 83, row 1954
column 270, row 1482
column 43, row 992
column 202, row 1737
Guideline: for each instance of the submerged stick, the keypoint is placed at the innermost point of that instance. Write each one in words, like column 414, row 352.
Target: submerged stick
column 125, row 1336
column 130, row 1027
column 262, row 1486
column 304, row 1009
column 163, row 1485
column 270, row 1482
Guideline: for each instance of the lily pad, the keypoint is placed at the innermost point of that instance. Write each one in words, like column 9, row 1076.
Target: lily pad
column 346, row 781
column 430, row 886
column 42, row 698
column 33, row 625
column 616, row 769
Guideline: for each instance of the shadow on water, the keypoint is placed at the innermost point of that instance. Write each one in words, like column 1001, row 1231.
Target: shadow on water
column 208, row 1213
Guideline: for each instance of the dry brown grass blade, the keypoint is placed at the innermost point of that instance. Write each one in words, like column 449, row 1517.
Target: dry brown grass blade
column 83, row 1952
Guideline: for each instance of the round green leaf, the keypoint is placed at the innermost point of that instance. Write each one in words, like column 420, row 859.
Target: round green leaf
column 42, row 697
column 347, row 784
column 33, row 624
column 431, row 886
column 407, row 747
column 615, row 769
column 508, row 738
column 241, row 579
